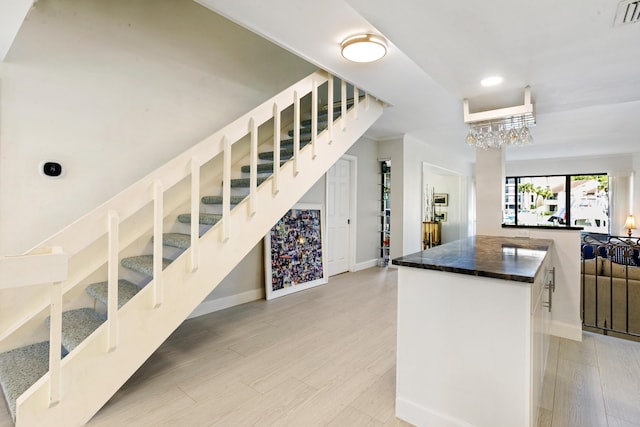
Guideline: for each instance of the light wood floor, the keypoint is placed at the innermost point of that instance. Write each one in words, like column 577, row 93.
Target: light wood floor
column 326, row 357
column 595, row 383
column 322, row 357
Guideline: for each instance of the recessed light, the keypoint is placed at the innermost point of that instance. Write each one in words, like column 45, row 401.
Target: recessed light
column 364, row 48
column 491, row 81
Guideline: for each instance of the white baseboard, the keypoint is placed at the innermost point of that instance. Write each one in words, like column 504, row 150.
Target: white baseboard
column 566, row 330
column 210, row 306
column 364, row 265
column 421, row 416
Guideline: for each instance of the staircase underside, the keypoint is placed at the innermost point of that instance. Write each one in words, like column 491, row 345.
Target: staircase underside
column 106, row 352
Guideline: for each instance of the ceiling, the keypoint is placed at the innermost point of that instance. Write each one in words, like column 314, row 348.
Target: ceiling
column 584, row 72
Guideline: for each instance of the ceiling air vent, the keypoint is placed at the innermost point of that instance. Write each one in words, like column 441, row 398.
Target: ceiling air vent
column 628, row 12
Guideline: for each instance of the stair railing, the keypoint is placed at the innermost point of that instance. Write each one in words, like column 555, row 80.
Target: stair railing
column 104, row 219
column 107, row 218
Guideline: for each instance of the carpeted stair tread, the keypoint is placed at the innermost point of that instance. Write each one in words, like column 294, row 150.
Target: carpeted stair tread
column 262, row 168
column 78, row 325
column 205, row 218
column 217, row 200
column 245, row 182
column 268, row 155
column 20, row 369
column 143, row 264
column 126, row 291
column 176, row 240
column 322, row 119
column 287, row 144
column 305, row 137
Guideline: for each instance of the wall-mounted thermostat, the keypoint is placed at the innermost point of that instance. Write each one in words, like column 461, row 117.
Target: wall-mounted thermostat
column 51, row 169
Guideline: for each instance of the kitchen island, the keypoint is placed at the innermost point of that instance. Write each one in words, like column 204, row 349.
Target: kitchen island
column 473, row 319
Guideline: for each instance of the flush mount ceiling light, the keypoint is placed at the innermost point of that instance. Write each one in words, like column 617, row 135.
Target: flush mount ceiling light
column 364, row 48
column 491, row 81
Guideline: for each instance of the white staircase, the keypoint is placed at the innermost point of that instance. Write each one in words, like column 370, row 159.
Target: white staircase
column 182, row 260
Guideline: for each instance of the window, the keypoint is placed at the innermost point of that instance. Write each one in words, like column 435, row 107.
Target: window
column 558, row 201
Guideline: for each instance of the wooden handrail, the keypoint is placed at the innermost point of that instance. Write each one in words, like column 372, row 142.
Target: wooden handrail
column 45, row 266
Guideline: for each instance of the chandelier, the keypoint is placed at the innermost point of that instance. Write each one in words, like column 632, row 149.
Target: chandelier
column 502, row 127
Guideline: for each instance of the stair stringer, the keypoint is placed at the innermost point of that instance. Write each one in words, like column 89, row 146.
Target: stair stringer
column 91, row 374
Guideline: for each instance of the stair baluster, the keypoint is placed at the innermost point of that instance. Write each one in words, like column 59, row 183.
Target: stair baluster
column 253, row 161
column 330, row 108
column 226, row 188
column 55, row 343
column 356, row 101
column 314, row 117
column 276, row 148
column 296, row 131
column 195, row 213
column 112, row 278
column 343, row 116
column 158, row 217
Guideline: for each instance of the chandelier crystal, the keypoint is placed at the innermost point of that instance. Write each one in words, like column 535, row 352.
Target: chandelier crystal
column 502, row 127
column 501, row 133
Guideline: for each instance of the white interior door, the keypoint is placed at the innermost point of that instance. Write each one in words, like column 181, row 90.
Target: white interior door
column 338, row 217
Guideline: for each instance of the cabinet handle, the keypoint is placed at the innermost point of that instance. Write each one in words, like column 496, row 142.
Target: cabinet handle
column 551, row 287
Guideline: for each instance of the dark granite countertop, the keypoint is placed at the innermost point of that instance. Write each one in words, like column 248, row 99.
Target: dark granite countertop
column 508, row 258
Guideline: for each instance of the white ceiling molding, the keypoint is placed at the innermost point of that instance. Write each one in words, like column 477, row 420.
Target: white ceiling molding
column 12, row 14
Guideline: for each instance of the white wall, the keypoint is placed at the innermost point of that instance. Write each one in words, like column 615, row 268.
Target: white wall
column 367, row 200
column 12, row 13
column 415, row 154
column 114, row 89
column 407, row 156
column 489, row 191
column 635, row 195
column 455, row 186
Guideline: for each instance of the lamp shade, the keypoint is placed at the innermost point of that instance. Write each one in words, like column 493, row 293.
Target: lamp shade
column 364, row 48
column 630, row 223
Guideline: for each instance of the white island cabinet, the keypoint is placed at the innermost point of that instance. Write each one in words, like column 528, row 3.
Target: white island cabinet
column 473, row 320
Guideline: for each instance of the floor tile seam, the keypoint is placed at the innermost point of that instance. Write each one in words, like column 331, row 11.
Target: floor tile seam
column 555, row 384
column 555, row 379
column 353, row 408
column 601, row 383
column 254, row 382
column 630, row 422
column 278, row 344
column 187, row 394
column 580, row 360
column 374, row 416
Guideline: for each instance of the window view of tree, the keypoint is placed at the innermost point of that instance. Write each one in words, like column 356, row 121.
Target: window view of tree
column 558, row 201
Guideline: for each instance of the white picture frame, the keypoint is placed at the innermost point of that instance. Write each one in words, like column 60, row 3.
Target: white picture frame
column 295, row 257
